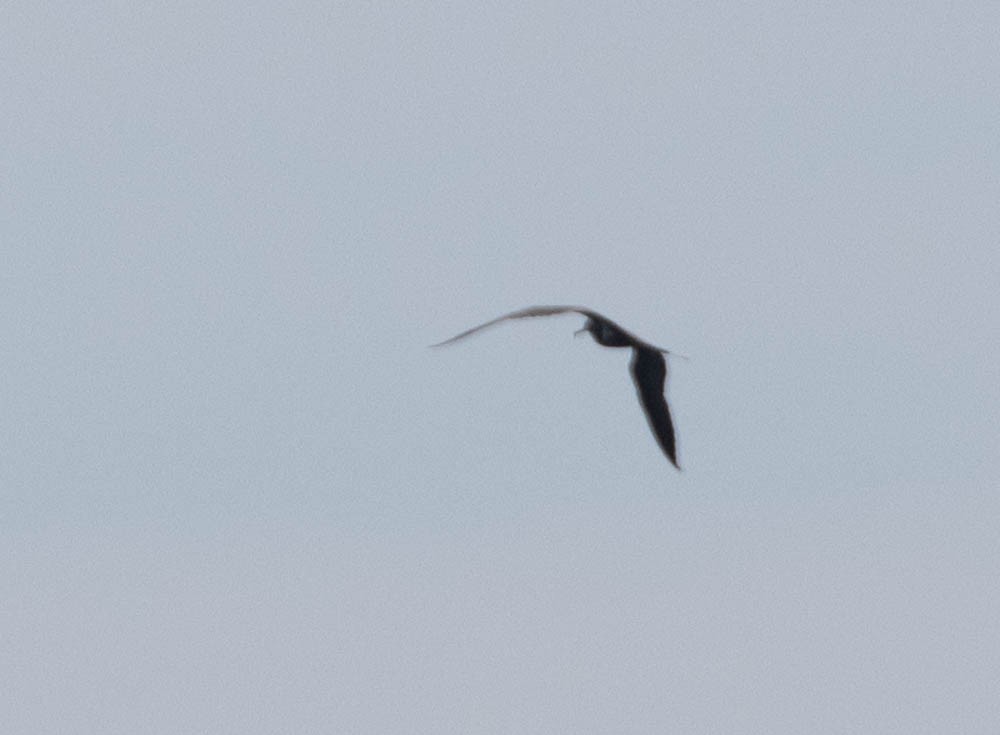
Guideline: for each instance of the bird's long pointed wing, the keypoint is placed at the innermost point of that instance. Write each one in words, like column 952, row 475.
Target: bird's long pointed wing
column 649, row 371
column 519, row 314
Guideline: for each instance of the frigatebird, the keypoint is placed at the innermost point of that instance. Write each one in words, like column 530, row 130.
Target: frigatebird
column 649, row 369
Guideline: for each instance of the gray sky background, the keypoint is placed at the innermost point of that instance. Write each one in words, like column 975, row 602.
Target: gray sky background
column 239, row 495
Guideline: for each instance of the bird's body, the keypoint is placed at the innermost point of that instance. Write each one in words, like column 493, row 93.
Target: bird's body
column 648, row 368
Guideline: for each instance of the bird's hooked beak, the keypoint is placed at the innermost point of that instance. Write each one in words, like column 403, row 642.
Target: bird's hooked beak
column 579, row 331
column 673, row 354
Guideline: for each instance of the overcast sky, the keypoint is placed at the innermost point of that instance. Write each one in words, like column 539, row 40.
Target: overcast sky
column 238, row 494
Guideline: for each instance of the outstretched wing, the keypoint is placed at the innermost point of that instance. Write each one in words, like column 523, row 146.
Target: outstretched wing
column 519, row 314
column 649, row 371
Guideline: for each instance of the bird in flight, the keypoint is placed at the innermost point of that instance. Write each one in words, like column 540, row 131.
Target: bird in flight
column 649, row 369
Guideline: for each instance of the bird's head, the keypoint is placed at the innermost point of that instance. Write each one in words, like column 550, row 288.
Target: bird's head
column 590, row 326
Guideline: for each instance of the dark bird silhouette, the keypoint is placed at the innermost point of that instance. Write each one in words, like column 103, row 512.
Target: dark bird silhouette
column 649, row 369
